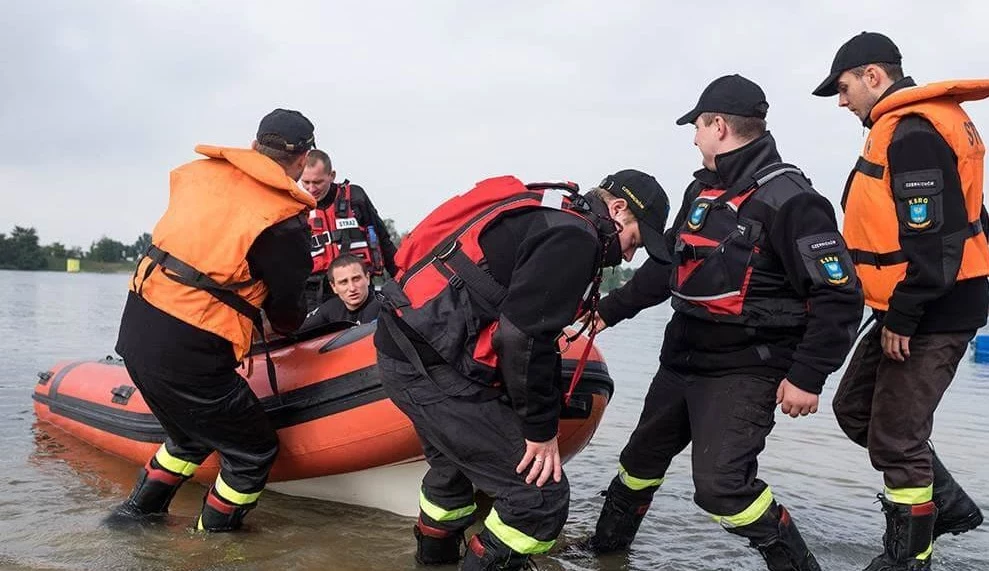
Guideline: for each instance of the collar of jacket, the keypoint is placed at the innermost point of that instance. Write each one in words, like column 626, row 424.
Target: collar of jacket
column 739, row 163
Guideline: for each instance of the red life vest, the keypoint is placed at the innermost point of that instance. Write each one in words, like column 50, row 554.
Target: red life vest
column 441, row 292
column 336, row 231
column 719, row 254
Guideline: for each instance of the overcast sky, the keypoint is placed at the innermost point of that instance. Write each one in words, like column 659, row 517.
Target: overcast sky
column 418, row 100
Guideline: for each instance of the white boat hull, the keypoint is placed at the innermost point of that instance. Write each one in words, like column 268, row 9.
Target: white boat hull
column 393, row 488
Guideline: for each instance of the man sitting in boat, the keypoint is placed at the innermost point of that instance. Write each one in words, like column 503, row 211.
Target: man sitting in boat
column 351, row 282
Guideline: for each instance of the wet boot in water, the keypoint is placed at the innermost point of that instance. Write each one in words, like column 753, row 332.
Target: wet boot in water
column 220, row 515
column 621, row 516
column 777, row 539
column 148, row 501
column 436, row 546
column 908, row 541
column 956, row 511
column 485, row 552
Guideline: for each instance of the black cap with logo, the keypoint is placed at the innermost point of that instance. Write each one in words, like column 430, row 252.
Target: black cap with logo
column 731, row 95
column 863, row 49
column 649, row 204
column 286, row 130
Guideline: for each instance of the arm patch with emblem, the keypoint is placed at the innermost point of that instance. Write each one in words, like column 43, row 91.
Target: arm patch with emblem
column 919, row 202
column 827, row 260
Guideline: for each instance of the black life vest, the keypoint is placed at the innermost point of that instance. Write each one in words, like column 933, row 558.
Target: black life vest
column 441, row 291
column 723, row 272
column 336, row 231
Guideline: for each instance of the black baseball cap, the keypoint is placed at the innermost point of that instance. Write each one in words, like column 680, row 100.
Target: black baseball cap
column 863, row 49
column 286, row 130
column 732, row 95
column 649, row 204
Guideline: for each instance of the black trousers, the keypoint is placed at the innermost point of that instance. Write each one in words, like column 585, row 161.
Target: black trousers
column 888, row 406
column 478, row 442
column 203, row 413
column 727, row 418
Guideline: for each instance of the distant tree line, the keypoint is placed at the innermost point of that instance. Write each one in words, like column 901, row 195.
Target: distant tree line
column 616, row 277
column 21, row 250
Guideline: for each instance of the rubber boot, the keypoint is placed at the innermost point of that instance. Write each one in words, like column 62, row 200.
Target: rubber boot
column 436, row 546
column 485, row 552
column 777, row 539
column 909, row 533
column 152, row 493
column 220, row 515
column 956, row 512
column 620, row 517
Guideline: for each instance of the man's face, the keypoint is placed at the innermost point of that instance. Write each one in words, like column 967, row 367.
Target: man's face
column 707, row 139
column 351, row 284
column 629, row 238
column 316, row 180
column 855, row 94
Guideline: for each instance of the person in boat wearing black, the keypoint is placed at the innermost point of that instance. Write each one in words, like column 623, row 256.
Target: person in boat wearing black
column 194, row 303
column 343, row 222
column 766, row 305
column 354, row 300
column 467, row 348
column 915, row 221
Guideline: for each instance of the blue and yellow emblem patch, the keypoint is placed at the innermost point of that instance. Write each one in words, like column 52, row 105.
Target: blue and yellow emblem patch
column 920, row 215
column 834, row 272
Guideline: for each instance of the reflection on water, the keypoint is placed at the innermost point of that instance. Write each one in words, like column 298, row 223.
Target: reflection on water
column 57, row 489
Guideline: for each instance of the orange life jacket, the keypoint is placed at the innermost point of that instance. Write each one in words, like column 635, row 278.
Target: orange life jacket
column 196, row 268
column 871, row 227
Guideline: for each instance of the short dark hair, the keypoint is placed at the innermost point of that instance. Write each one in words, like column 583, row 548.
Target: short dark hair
column 344, row 260
column 317, row 156
column 744, row 127
column 280, row 156
column 893, row 70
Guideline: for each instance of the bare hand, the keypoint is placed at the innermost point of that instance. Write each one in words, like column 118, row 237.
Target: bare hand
column 895, row 346
column 795, row 401
column 599, row 324
column 545, row 460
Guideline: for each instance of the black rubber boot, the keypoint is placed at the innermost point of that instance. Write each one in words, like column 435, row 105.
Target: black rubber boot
column 149, row 500
column 220, row 515
column 909, row 532
column 956, row 511
column 485, row 552
column 620, row 517
column 436, row 546
column 779, row 542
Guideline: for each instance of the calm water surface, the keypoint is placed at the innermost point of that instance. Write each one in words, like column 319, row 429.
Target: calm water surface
column 56, row 490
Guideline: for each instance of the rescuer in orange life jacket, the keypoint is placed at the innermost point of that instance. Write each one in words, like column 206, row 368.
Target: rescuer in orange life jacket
column 467, row 348
column 766, row 305
column 233, row 241
column 915, row 227
column 343, row 222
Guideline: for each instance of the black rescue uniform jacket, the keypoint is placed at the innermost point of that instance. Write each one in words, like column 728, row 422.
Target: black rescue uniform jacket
column 929, row 300
column 546, row 259
column 794, row 221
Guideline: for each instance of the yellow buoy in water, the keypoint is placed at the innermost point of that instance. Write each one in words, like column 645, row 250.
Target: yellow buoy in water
column 72, row 265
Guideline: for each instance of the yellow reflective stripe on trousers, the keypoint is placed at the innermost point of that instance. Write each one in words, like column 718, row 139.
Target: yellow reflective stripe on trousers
column 636, row 484
column 749, row 514
column 233, row 496
column 910, row 496
column 440, row 514
column 173, row 464
column 515, row 539
column 926, row 554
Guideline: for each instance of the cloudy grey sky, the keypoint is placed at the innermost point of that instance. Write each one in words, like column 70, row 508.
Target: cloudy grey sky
column 418, row 100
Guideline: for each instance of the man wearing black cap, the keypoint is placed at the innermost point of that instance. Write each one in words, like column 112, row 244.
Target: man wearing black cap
column 766, row 304
column 233, row 241
column 467, row 348
column 914, row 223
